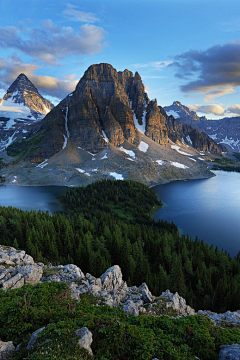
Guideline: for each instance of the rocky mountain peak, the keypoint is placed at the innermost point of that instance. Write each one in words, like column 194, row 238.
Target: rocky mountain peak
column 20, row 85
column 23, row 92
column 107, row 107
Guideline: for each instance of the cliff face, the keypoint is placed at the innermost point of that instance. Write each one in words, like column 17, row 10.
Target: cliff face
column 106, row 107
column 190, row 135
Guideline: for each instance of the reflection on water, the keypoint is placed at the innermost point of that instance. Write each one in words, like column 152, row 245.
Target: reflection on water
column 209, row 209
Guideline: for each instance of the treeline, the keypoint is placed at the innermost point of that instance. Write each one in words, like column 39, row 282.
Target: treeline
column 111, row 224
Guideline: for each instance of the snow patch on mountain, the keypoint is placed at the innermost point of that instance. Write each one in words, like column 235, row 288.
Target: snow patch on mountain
column 116, row 176
column 105, row 136
column 177, row 148
column 143, row 146
column 173, row 113
column 66, row 128
column 230, row 142
column 128, row 152
column 178, row 165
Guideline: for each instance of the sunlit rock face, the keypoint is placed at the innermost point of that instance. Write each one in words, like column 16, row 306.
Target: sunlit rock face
column 106, row 107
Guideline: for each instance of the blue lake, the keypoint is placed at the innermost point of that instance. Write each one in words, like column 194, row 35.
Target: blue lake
column 32, row 197
column 209, row 209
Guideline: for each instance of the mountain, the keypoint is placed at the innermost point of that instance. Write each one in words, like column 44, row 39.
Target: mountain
column 191, row 136
column 107, row 127
column 21, row 109
column 225, row 131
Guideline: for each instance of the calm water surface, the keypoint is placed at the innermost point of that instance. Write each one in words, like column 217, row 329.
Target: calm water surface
column 209, row 209
column 32, row 197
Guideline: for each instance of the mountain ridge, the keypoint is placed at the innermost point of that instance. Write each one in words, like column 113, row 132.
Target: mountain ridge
column 224, row 131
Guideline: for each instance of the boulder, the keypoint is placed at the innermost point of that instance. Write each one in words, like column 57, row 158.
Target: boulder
column 31, row 273
column 14, row 282
column 86, row 339
column 6, row 350
column 147, row 296
column 74, row 270
column 177, row 303
column 33, row 338
column 112, row 278
column 229, row 352
column 131, row 307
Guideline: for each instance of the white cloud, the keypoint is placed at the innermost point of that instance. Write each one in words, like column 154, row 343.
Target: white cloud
column 74, row 14
column 219, row 92
column 234, row 109
column 47, row 85
column 152, row 64
column 208, row 109
column 51, row 43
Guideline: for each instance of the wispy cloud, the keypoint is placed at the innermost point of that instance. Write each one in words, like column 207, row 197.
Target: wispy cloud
column 52, row 43
column 217, row 93
column 234, row 109
column 47, row 85
column 208, row 109
column 74, row 14
column 213, row 72
column 152, row 64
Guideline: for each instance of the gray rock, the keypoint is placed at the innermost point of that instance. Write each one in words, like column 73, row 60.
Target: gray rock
column 31, row 273
column 230, row 317
column 33, row 338
column 14, row 282
column 177, row 303
column 229, row 352
column 86, row 339
column 112, row 278
column 131, row 307
column 6, row 350
column 147, row 296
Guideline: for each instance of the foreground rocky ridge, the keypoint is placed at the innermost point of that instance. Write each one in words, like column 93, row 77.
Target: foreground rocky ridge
column 17, row 268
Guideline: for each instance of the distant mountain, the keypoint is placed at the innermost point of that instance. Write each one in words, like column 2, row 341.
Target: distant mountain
column 21, row 109
column 180, row 130
column 225, row 131
column 107, row 127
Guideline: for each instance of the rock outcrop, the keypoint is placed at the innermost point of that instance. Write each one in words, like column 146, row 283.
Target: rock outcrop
column 6, row 350
column 229, row 352
column 17, row 268
column 110, row 289
column 85, row 340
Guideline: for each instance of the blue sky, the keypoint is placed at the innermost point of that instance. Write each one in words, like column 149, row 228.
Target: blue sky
column 184, row 50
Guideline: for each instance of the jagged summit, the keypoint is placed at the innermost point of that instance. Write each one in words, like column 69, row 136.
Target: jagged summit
column 23, row 92
column 21, row 109
column 107, row 107
column 21, row 84
column 179, row 110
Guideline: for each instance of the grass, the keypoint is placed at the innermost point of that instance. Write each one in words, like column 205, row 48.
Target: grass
column 49, row 272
